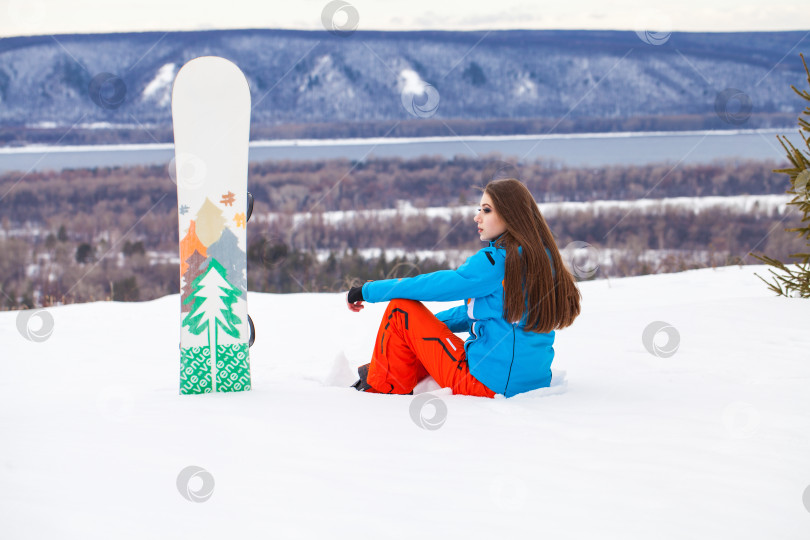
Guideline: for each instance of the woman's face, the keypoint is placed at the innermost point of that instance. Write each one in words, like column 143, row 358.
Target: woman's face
column 490, row 223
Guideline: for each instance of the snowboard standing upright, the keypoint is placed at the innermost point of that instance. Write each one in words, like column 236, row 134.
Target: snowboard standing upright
column 211, row 120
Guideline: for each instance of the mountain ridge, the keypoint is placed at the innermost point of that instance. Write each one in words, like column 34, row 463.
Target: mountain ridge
column 314, row 77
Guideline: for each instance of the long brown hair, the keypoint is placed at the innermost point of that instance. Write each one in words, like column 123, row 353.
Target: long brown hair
column 553, row 301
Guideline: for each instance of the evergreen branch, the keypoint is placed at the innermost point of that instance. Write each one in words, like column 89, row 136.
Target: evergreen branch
column 795, row 281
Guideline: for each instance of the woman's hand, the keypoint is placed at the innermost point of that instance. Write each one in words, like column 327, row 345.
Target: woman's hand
column 354, row 299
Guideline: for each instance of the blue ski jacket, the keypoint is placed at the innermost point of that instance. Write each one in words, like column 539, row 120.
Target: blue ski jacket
column 502, row 355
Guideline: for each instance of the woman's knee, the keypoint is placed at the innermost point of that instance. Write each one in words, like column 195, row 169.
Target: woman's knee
column 403, row 303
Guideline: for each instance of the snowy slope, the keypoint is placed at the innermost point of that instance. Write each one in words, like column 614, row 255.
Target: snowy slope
column 762, row 204
column 710, row 442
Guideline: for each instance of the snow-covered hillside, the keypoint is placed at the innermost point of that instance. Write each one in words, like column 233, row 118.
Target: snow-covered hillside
column 760, row 204
column 309, row 77
column 708, row 438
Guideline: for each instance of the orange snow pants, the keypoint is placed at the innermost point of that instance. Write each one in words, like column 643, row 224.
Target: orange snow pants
column 412, row 343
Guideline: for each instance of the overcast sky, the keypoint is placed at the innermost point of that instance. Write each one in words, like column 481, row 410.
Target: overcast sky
column 28, row 17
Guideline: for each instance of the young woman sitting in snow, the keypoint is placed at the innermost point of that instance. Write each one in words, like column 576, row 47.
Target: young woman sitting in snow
column 517, row 293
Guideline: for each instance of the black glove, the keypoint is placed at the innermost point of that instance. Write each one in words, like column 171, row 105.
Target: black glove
column 355, row 295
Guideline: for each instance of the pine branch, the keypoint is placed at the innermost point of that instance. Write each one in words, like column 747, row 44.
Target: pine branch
column 796, row 282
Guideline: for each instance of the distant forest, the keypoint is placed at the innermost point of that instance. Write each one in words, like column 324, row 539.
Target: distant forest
column 101, row 234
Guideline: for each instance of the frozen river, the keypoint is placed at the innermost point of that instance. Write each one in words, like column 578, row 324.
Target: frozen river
column 590, row 149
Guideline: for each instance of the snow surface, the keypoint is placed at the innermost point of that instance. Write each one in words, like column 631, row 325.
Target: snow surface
column 710, row 442
column 160, row 88
column 412, row 82
column 158, row 83
column 758, row 204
